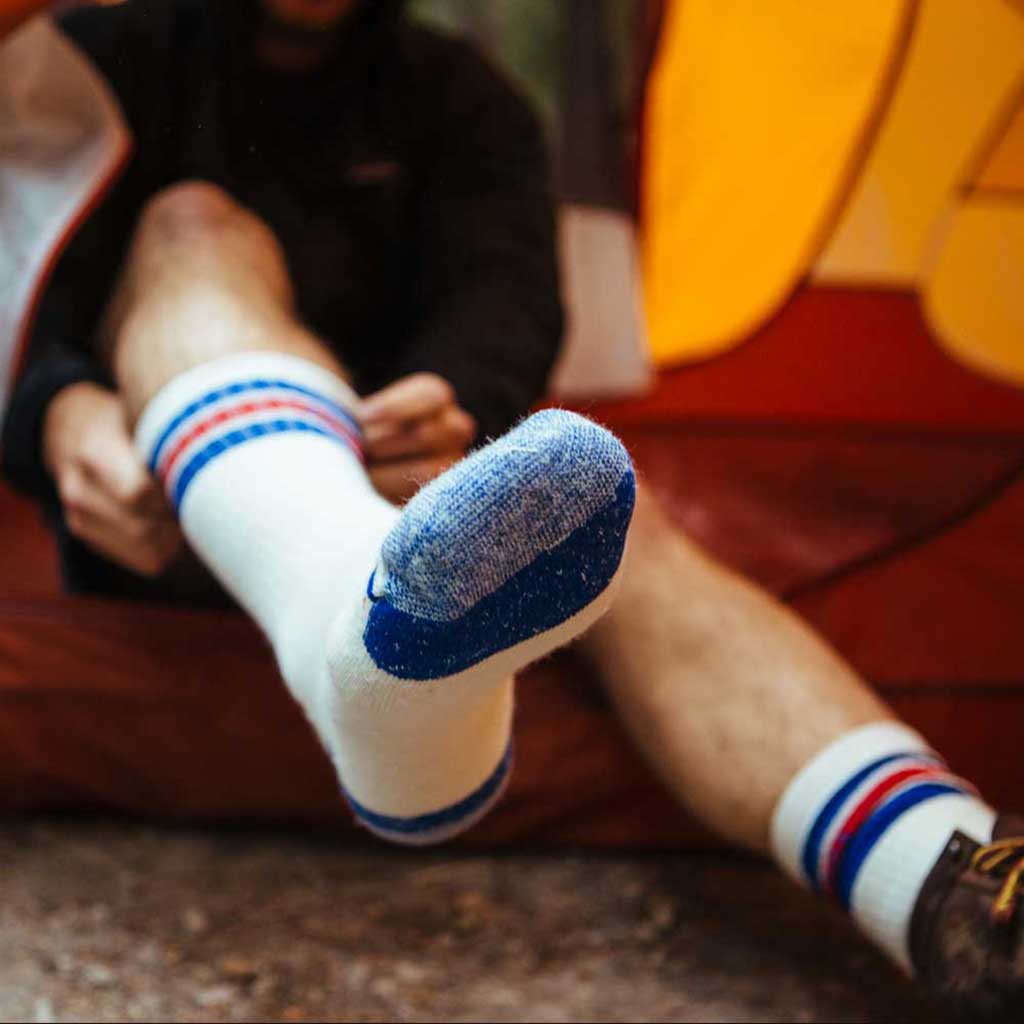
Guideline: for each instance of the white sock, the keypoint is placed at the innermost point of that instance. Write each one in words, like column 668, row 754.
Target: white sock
column 865, row 821
column 397, row 631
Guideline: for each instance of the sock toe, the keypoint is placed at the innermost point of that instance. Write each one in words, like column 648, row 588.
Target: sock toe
column 514, row 541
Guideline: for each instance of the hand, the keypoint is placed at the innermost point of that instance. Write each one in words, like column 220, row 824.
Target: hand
column 110, row 501
column 413, row 430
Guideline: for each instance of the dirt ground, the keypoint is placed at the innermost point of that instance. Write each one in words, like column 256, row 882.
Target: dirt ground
column 109, row 921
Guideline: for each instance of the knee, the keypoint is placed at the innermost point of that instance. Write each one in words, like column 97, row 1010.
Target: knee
column 189, row 209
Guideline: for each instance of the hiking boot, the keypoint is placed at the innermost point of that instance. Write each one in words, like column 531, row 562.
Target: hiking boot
column 967, row 929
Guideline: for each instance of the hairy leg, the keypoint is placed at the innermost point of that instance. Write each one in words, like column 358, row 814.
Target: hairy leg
column 725, row 690
column 397, row 631
column 773, row 742
column 204, row 278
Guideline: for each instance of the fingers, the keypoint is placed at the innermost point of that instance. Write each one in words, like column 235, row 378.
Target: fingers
column 82, row 497
column 118, row 471
column 414, row 430
column 400, row 479
column 146, row 546
column 416, row 419
column 412, row 398
column 110, row 502
column 143, row 541
column 121, row 474
column 114, row 485
column 450, row 429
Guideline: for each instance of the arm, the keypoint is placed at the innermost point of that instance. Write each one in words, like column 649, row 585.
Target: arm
column 66, row 442
column 488, row 314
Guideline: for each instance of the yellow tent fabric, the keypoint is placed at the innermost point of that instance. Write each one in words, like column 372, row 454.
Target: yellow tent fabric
column 961, row 65
column 877, row 145
column 754, row 114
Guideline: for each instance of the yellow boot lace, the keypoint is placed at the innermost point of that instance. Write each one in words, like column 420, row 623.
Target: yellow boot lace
column 999, row 857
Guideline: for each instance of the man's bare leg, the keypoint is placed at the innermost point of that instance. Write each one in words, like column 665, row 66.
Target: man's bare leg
column 763, row 732
column 247, row 422
column 205, row 278
column 707, row 671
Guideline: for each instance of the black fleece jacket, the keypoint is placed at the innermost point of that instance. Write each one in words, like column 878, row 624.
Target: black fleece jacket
column 406, row 181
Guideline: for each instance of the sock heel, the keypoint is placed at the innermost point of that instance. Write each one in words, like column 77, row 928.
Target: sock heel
column 520, row 540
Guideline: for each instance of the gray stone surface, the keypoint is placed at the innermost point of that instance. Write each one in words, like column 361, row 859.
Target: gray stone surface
column 109, row 921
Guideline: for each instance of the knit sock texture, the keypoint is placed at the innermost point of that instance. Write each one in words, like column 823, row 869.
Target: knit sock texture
column 865, row 821
column 397, row 632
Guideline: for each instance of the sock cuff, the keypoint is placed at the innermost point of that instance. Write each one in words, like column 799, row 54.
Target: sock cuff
column 437, row 826
column 883, row 898
column 811, row 789
column 210, row 408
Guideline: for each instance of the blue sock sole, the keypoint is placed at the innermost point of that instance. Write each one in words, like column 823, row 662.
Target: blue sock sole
column 538, row 520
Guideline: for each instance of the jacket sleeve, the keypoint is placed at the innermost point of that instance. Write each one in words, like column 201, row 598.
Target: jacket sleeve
column 487, row 313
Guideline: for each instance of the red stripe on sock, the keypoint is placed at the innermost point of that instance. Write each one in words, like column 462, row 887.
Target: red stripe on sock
column 863, row 811
column 244, row 408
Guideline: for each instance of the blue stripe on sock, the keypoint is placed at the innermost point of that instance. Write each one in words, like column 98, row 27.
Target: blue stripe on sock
column 230, row 440
column 239, row 388
column 863, row 842
column 812, row 845
column 448, row 816
column 553, row 587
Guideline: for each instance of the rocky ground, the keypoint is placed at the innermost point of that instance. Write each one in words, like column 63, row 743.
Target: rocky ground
column 104, row 921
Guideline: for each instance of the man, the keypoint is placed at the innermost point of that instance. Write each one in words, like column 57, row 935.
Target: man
column 246, row 416
column 455, row 280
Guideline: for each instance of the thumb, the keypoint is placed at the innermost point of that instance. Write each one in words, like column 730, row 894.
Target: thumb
column 407, row 399
column 123, row 475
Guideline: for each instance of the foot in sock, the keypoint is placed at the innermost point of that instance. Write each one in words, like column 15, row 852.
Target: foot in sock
column 396, row 631
column 509, row 555
column 925, row 867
